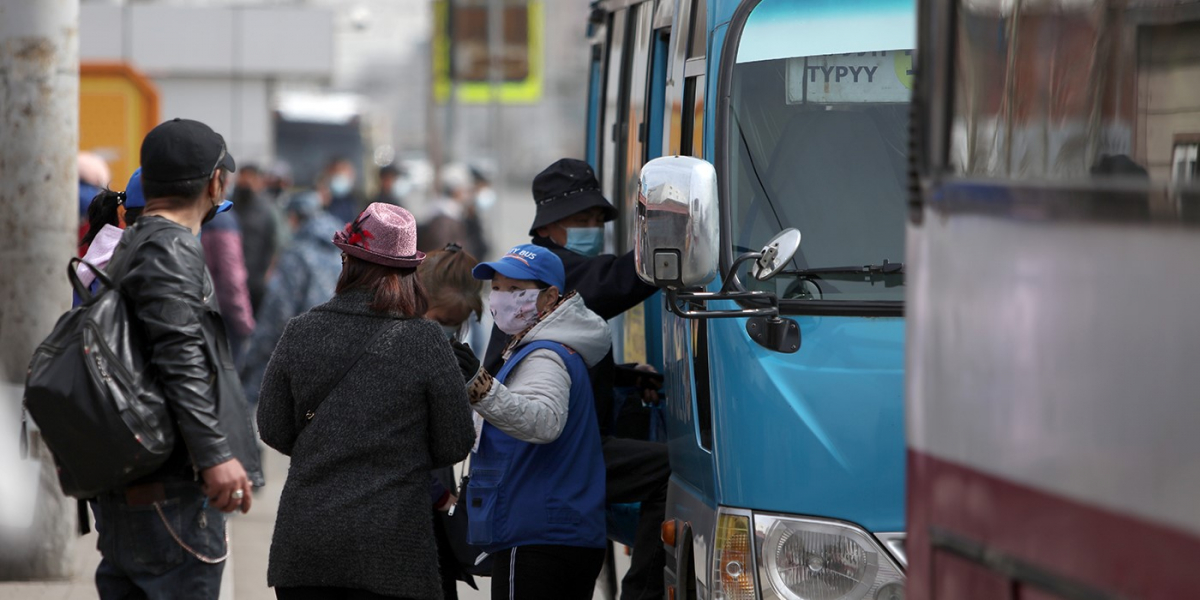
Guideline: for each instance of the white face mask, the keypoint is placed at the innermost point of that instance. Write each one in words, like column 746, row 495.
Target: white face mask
column 514, row 311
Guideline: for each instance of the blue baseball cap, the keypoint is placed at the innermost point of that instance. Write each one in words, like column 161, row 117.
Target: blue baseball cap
column 134, row 198
column 527, row 262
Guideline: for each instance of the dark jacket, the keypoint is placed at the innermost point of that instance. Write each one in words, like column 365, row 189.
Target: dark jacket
column 160, row 267
column 259, row 241
column 355, row 508
column 305, row 276
column 609, row 286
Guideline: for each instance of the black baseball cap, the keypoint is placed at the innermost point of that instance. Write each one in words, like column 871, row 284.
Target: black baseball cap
column 182, row 149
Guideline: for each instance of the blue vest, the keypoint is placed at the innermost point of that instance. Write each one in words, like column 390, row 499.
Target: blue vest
column 522, row 494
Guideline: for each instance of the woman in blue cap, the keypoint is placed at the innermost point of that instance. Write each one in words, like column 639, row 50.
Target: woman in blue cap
column 108, row 215
column 536, row 494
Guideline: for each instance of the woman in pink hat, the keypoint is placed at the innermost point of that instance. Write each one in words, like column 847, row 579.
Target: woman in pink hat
column 366, row 397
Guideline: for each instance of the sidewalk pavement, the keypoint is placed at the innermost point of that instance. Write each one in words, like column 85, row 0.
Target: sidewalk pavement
column 245, row 575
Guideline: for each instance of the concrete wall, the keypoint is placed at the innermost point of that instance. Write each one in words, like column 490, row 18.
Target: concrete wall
column 215, row 64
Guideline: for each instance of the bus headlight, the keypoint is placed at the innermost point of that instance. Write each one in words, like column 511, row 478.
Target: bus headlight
column 809, row 559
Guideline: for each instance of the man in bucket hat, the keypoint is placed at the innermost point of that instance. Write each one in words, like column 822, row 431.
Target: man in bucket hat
column 570, row 218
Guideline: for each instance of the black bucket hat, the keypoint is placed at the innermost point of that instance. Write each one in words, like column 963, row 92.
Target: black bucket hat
column 567, row 187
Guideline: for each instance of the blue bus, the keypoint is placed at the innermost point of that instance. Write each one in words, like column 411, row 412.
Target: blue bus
column 758, row 153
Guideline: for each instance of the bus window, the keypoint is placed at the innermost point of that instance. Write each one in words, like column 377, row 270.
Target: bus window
column 818, row 140
column 614, row 90
column 633, row 134
column 698, row 41
column 691, row 140
column 1078, row 93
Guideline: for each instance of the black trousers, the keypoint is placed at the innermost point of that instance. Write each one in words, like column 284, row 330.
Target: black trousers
column 546, row 573
column 638, row 471
column 328, row 593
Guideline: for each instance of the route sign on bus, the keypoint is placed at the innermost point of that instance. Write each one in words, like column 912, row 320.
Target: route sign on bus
column 858, row 77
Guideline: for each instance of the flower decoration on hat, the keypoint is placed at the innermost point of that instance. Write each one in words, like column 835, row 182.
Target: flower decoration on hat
column 355, row 234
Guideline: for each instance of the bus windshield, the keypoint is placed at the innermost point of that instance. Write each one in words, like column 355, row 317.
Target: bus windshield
column 818, row 140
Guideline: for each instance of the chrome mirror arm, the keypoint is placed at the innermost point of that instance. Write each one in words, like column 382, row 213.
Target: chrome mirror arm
column 675, row 297
column 727, row 286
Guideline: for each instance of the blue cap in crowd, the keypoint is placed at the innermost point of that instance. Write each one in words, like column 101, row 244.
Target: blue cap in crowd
column 527, row 262
column 134, row 198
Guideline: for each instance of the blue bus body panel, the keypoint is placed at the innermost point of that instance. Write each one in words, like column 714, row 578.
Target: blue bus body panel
column 819, row 432
column 690, row 461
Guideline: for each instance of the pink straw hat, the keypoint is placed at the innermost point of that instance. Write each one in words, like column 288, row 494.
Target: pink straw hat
column 383, row 234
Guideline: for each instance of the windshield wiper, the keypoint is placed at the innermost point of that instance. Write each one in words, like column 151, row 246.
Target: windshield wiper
column 887, row 268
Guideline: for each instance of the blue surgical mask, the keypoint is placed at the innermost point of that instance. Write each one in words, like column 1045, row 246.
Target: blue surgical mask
column 455, row 333
column 485, row 199
column 401, row 188
column 340, row 185
column 585, row 241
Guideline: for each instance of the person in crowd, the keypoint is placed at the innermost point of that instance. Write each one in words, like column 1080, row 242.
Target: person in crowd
column 221, row 238
column 337, row 183
column 366, row 397
column 394, row 185
column 484, row 192
column 259, row 231
column 94, row 177
column 277, row 189
column 454, row 219
column 454, row 297
column 166, row 532
column 305, row 275
column 277, row 182
column 108, row 215
column 537, row 478
column 569, row 223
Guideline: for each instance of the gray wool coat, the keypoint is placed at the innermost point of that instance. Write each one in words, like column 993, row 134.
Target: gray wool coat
column 355, row 510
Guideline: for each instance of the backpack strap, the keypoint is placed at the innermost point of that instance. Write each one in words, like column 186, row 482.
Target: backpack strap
column 312, row 412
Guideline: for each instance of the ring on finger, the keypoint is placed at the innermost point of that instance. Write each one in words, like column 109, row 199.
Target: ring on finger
column 238, row 494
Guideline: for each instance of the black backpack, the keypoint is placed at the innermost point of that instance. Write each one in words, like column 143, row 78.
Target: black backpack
column 93, row 395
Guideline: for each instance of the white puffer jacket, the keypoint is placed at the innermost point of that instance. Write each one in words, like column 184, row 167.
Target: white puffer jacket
column 532, row 406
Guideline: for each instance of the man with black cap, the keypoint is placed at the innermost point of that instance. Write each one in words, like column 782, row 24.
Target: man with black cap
column 166, row 532
column 571, row 213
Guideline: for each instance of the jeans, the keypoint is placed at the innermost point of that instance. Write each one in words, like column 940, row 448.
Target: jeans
column 139, row 557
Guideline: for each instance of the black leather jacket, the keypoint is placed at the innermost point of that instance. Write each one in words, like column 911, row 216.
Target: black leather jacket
column 159, row 266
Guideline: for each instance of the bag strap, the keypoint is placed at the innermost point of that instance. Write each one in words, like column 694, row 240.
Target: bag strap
column 312, row 412
column 85, row 295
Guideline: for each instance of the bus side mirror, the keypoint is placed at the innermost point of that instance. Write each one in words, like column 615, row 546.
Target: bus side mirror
column 677, row 235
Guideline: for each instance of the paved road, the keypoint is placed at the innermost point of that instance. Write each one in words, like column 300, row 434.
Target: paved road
column 245, row 572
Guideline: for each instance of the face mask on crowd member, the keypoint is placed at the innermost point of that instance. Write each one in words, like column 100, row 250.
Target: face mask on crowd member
column 341, row 184
column 571, row 211
column 513, row 308
column 401, row 188
column 220, row 204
